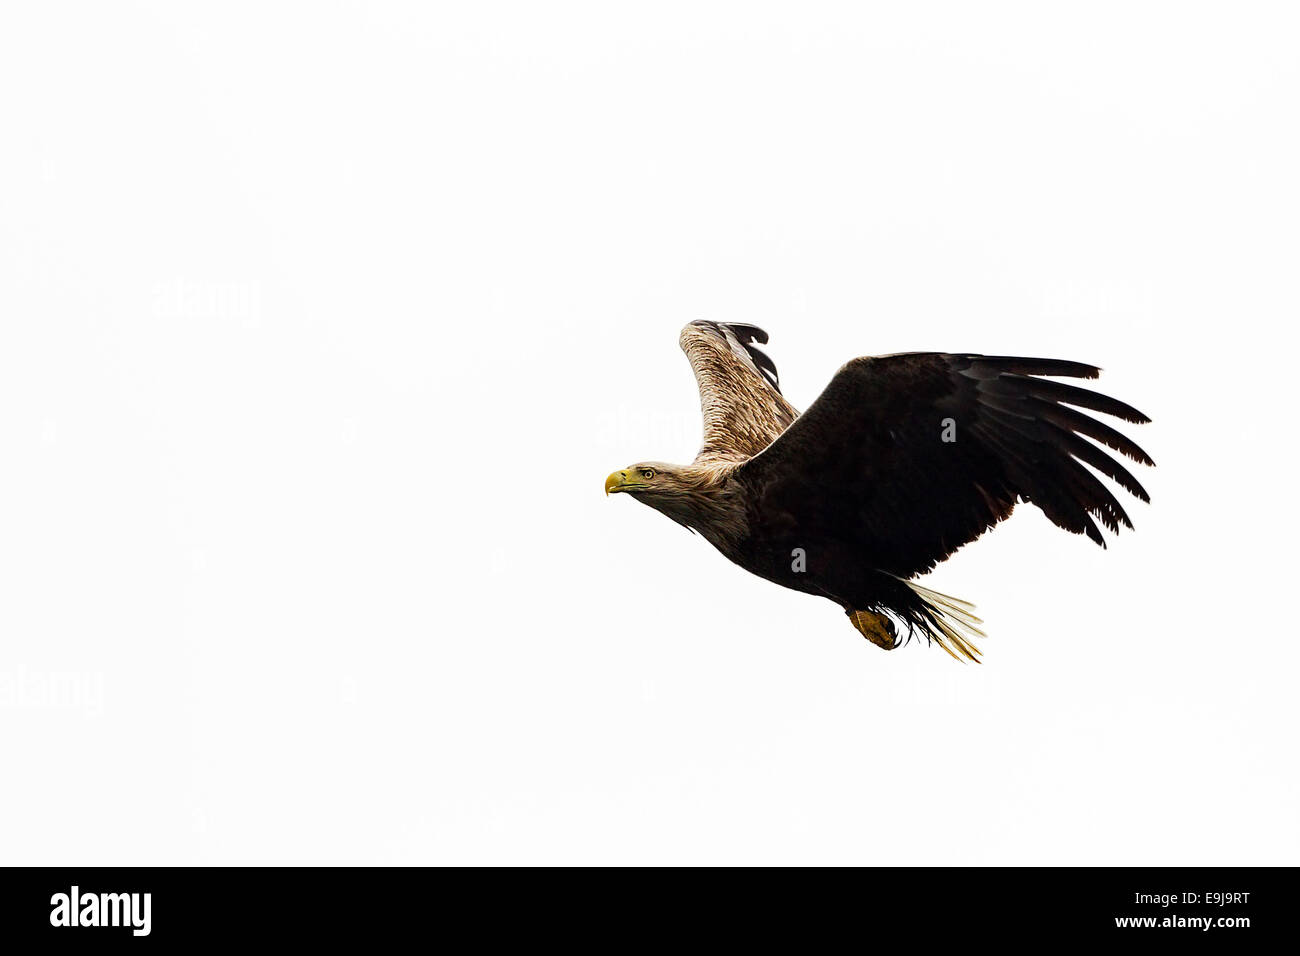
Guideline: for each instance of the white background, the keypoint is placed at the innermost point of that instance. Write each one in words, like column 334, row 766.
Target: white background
column 323, row 324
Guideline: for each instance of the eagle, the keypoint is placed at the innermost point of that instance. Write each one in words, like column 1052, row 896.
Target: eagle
column 899, row 462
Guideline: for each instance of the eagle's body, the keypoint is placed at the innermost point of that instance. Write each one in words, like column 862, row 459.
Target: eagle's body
column 901, row 461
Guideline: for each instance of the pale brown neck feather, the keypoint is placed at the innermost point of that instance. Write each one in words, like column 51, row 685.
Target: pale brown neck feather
column 706, row 503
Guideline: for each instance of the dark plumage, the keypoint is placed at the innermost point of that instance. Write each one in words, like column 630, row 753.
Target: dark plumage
column 901, row 461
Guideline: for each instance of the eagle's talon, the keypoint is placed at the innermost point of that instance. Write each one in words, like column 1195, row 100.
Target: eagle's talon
column 877, row 628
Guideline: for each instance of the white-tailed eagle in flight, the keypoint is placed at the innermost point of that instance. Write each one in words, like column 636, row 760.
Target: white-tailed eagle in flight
column 901, row 461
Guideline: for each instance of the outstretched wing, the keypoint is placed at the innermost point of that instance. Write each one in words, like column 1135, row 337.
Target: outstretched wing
column 911, row 456
column 740, row 394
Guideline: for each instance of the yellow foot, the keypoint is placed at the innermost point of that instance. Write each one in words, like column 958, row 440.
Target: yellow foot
column 876, row 628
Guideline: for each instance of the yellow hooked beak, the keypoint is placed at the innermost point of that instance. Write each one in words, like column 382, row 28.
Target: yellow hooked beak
column 623, row 480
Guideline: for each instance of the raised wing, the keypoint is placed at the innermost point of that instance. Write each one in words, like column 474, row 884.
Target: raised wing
column 911, row 456
column 740, row 394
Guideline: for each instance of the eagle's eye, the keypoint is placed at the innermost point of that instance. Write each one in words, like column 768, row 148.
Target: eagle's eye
column 647, row 473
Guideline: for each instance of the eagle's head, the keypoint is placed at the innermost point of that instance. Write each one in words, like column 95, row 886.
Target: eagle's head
column 693, row 495
column 654, row 482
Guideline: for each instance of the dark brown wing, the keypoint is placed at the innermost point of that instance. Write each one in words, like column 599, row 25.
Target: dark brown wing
column 869, row 461
column 740, row 395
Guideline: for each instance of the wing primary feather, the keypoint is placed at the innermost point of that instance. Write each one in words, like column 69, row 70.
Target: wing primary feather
column 1028, row 416
column 1070, row 419
column 1069, row 394
column 993, row 365
column 747, row 334
column 1044, row 482
column 1054, row 455
column 753, row 332
column 1092, row 455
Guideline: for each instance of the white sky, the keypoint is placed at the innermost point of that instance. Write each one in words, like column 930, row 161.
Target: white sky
column 324, row 323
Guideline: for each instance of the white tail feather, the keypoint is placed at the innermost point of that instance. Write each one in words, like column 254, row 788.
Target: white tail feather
column 956, row 626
